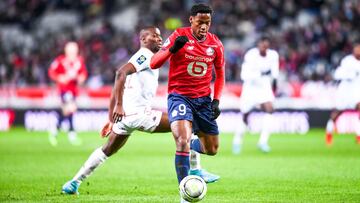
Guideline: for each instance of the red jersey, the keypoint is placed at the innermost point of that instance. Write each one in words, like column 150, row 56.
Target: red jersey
column 190, row 70
column 71, row 70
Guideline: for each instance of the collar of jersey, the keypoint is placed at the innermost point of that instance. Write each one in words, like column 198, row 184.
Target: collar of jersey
column 202, row 40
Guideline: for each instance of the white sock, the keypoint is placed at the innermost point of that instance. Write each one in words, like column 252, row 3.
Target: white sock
column 95, row 159
column 239, row 133
column 194, row 160
column 266, row 129
column 54, row 131
column 330, row 126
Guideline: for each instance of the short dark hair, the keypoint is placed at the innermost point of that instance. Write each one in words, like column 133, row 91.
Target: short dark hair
column 200, row 8
column 264, row 37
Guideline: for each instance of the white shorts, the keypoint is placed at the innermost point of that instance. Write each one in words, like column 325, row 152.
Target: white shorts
column 144, row 120
column 252, row 96
column 347, row 95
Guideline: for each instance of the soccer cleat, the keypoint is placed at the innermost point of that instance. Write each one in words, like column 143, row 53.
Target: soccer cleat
column 329, row 139
column 264, row 148
column 53, row 141
column 206, row 176
column 75, row 142
column 71, row 187
column 74, row 139
column 236, row 149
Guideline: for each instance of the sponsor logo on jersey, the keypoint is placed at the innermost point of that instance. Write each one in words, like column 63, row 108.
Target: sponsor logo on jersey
column 210, row 51
column 141, row 59
column 199, row 58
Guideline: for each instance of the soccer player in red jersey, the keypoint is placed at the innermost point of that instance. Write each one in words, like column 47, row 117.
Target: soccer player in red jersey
column 68, row 71
column 193, row 51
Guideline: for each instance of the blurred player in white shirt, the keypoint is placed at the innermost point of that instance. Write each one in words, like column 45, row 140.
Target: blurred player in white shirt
column 135, row 87
column 259, row 72
column 348, row 92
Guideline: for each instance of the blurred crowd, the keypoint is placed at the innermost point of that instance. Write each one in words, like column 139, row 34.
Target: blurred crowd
column 311, row 36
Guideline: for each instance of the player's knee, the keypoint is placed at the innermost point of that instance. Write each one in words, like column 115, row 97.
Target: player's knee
column 212, row 150
column 182, row 143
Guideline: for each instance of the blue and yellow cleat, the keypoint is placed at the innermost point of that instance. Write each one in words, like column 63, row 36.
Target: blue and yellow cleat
column 264, row 148
column 206, row 176
column 71, row 187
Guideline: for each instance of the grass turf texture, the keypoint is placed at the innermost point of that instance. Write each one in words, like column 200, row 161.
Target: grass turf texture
column 300, row 168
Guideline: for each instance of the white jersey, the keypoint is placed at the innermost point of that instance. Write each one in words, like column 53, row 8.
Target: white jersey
column 140, row 87
column 257, row 86
column 348, row 92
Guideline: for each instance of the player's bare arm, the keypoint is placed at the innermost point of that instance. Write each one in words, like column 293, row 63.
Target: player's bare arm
column 121, row 73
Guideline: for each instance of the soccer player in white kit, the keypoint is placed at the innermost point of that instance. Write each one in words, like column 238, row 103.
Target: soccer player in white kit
column 348, row 91
column 129, row 110
column 259, row 72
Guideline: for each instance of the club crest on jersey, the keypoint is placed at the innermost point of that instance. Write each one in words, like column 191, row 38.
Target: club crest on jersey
column 174, row 113
column 141, row 59
column 210, row 51
column 190, row 48
column 191, row 41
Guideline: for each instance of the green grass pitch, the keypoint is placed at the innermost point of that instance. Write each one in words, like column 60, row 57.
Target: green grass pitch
column 300, row 168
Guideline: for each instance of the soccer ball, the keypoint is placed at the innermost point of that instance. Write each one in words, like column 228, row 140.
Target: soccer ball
column 192, row 188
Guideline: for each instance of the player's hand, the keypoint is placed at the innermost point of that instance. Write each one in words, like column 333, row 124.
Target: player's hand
column 266, row 73
column 118, row 113
column 180, row 41
column 215, row 109
column 106, row 130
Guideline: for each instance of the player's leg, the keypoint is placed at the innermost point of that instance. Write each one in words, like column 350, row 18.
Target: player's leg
column 195, row 166
column 117, row 138
column 247, row 103
column 330, row 126
column 157, row 122
column 54, row 130
column 357, row 128
column 239, row 133
column 182, row 130
column 98, row 157
column 180, row 119
column 69, row 110
column 263, row 144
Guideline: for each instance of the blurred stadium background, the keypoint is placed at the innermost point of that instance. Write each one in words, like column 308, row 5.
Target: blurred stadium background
column 311, row 37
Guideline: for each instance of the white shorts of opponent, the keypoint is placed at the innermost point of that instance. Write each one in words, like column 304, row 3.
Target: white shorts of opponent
column 347, row 95
column 145, row 119
column 253, row 95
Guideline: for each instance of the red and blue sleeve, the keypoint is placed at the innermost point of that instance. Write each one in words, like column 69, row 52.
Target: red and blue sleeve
column 164, row 54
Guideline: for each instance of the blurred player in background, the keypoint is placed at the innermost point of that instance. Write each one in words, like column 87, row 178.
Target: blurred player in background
column 259, row 72
column 348, row 91
column 68, row 71
column 193, row 52
column 130, row 110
